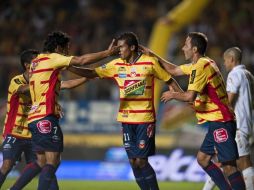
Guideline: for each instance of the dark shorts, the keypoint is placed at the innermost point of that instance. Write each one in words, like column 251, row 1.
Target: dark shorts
column 14, row 147
column 139, row 139
column 46, row 135
column 221, row 136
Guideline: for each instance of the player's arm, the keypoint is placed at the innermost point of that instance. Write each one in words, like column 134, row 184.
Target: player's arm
column 23, row 89
column 188, row 96
column 84, row 72
column 95, row 57
column 73, row 83
column 168, row 66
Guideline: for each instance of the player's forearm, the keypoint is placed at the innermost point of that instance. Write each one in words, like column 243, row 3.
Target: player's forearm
column 84, row 72
column 73, row 83
column 183, row 96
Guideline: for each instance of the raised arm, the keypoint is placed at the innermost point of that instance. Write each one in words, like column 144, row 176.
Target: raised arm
column 94, row 57
column 168, row 66
column 73, row 83
column 84, row 72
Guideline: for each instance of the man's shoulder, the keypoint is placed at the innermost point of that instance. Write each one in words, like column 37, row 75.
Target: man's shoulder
column 18, row 79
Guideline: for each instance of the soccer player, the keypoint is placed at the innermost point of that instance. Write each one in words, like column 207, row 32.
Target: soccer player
column 17, row 138
column 44, row 83
column 208, row 93
column 240, row 88
column 134, row 73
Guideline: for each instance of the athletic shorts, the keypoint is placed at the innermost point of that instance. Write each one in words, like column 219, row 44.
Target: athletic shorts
column 46, row 135
column 139, row 139
column 242, row 141
column 14, row 147
column 221, row 136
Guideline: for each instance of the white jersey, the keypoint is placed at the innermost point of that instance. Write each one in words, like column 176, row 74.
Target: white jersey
column 241, row 82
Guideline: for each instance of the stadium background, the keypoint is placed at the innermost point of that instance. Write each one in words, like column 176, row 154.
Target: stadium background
column 92, row 136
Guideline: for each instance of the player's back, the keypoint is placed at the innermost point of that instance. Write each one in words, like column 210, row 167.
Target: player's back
column 45, row 84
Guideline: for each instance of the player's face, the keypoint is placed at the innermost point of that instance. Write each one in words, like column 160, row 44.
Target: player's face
column 124, row 50
column 227, row 62
column 187, row 49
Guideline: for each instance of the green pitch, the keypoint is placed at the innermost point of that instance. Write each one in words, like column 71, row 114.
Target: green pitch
column 109, row 185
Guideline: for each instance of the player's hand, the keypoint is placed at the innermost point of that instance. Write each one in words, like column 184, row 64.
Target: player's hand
column 167, row 96
column 145, row 50
column 113, row 48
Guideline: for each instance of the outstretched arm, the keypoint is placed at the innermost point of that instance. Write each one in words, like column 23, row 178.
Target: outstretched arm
column 84, row 72
column 73, row 83
column 95, row 57
column 168, row 66
column 188, row 96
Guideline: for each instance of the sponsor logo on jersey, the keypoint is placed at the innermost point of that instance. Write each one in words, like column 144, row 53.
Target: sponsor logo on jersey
column 134, row 87
column 220, row 135
column 122, row 72
column 192, row 77
column 142, row 144
column 17, row 81
column 133, row 72
column 44, row 126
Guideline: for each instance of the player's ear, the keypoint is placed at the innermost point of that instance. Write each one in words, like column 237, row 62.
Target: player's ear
column 133, row 48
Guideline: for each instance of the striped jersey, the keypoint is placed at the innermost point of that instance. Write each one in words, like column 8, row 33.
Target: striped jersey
column 211, row 103
column 45, row 84
column 136, row 86
column 18, row 106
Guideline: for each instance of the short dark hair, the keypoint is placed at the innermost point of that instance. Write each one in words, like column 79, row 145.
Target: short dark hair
column 54, row 39
column 235, row 52
column 27, row 56
column 130, row 39
column 199, row 40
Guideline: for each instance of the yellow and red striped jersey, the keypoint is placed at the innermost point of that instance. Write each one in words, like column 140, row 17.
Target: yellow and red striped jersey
column 211, row 103
column 45, row 84
column 136, row 86
column 18, row 106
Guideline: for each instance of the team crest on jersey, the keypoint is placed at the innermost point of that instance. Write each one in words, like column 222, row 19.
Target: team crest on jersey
column 220, row 135
column 133, row 72
column 142, row 144
column 17, row 81
column 192, row 77
column 134, row 87
column 122, row 72
column 44, row 126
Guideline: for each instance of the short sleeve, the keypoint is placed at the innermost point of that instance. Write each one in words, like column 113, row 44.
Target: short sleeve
column 198, row 79
column 15, row 84
column 233, row 83
column 159, row 72
column 106, row 70
column 186, row 68
column 61, row 61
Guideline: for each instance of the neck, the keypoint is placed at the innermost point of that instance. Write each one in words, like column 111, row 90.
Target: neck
column 196, row 57
column 133, row 58
column 26, row 75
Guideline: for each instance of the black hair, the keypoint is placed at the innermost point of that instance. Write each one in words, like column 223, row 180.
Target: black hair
column 130, row 38
column 54, row 39
column 27, row 56
column 199, row 40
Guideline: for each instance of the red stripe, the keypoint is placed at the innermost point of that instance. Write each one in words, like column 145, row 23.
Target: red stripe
column 201, row 120
column 137, row 111
column 210, row 111
column 135, row 99
column 42, row 70
column 14, row 105
column 224, row 109
column 44, row 81
column 40, row 59
column 36, row 116
column 213, row 75
column 23, row 104
column 147, row 87
column 20, row 115
column 137, row 75
column 206, row 65
column 137, row 122
column 50, row 94
column 137, row 63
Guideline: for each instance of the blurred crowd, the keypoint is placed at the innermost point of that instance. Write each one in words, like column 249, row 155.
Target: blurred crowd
column 93, row 23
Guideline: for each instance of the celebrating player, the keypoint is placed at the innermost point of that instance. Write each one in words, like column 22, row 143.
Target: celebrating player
column 207, row 91
column 47, row 137
column 134, row 73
